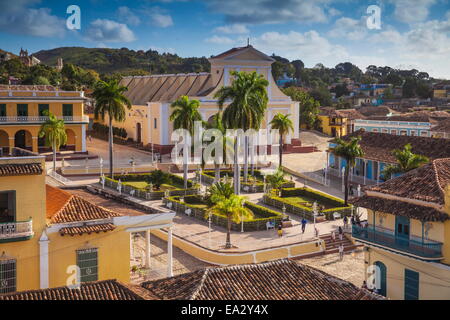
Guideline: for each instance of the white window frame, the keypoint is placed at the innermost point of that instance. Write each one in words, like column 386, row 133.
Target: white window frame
column 394, row 132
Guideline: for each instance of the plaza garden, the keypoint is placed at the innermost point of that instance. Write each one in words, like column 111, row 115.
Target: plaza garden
column 151, row 186
column 254, row 183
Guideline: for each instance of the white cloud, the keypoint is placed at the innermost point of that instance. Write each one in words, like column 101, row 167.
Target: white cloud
column 161, row 20
column 348, row 28
column 220, row 40
column 236, row 28
column 17, row 17
column 412, row 11
column 127, row 16
column 270, row 11
column 104, row 30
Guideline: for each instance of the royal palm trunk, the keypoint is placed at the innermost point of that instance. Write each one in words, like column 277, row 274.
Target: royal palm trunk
column 228, row 242
column 111, row 164
column 281, row 151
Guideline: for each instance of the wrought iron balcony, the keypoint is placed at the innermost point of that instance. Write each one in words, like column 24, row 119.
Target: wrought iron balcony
column 16, row 231
column 414, row 246
column 41, row 119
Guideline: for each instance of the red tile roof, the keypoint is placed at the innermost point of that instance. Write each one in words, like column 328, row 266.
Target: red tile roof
column 426, row 183
column 98, row 290
column 97, row 228
column 63, row 207
column 275, row 280
column 20, row 169
column 379, row 146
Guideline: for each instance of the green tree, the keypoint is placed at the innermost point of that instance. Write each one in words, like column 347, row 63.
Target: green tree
column 158, row 178
column 247, row 97
column 406, row 161
column 283, row 124
column 349, row 151
column 54, row 131
column 309, row 108
column 184, row 115
column 276, row 180
column 233, row 209
column 110, row 100
column 219, row 191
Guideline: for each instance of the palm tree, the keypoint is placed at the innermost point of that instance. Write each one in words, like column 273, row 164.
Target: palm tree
column 276, row 180
column 184, row 115
column 247, row 97
column 110, row 99
column 54, row 132
column 283, row 124
column 228, row 204
column 406, row 161
column 349, row 151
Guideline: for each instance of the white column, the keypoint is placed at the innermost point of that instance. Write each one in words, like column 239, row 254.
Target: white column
column 83, row 138
column 169, row 253
column 43, row 261
column 147, row 249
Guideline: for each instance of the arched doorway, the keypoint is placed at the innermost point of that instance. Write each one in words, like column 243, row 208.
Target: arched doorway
column 138, row 132
column 23, row 139
column 381, row 273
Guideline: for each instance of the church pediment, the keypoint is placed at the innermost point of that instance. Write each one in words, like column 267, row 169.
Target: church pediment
column 243, row 54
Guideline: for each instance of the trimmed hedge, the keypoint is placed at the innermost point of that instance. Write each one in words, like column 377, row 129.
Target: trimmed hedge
column 145, row 194
column 307, row 212
column 200, row 213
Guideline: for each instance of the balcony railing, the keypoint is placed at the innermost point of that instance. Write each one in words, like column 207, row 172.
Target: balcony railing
column 14, row 231
column 418, row 247
column 39, row 119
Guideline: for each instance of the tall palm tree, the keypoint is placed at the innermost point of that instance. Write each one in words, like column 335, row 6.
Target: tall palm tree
column 406, row 161
column 228, row 204
column 185, row 113
column 54, row 132
column 247, row 97
column 349, row 151
column 283, row 124
column 110, row 100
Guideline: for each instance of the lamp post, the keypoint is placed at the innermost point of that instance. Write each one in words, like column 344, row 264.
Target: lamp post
column 359, row 190
column 101, row 166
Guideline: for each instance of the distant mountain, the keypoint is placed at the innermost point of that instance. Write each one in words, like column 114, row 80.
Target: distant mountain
column 124, row 61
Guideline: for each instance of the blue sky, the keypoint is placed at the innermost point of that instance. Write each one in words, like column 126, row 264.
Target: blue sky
column 413, row 34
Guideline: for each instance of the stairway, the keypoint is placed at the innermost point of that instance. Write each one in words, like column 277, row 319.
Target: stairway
column 333, row 246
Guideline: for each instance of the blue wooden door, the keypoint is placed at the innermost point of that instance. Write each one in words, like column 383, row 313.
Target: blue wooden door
column 381, row 272
column 402, row 229
column 411, row 285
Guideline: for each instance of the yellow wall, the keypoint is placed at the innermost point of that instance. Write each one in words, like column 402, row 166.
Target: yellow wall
column 113, row 255
column 341, row 130
column 434, row 281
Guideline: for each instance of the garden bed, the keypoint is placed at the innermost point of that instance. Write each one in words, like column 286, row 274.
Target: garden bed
column 138, row 186
column 198, row 209
column 254, row 184
column 299, row 201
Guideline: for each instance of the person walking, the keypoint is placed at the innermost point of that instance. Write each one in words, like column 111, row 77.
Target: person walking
column 352, row 220
column 341, row 252
column 341, row 233
column 304, row 225
column 345, row 222
column 280, row 230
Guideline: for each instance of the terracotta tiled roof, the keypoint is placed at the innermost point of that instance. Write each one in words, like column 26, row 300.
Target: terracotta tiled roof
column 401, row 208
column 442, row 126
column 426, row 183
column 98, row 290
column 379, row 146
column 97, row 228
column 275, row 280
column 343, row 113
column 20, row 169
column 63, row 207
column 371, row 110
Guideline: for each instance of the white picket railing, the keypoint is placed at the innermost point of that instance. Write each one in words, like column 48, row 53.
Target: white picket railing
column 21, row 119
column 58, row 177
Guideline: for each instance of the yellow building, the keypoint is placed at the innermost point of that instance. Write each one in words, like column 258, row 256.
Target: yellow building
column 22, row 113
column 148, row 121
column 407, row 236
column 338, row 123
column 49, row 237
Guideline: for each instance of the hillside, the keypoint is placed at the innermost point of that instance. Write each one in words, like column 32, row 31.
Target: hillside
column 124, row 61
